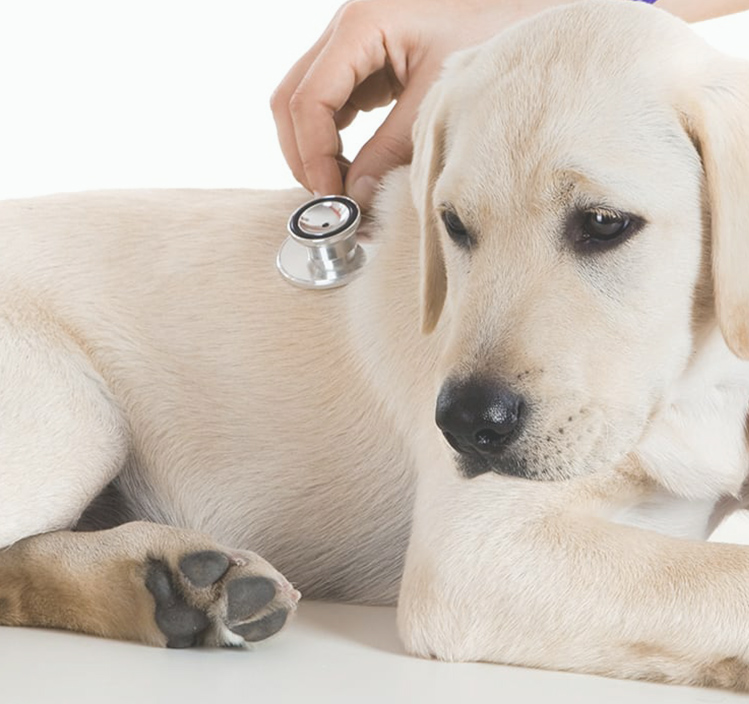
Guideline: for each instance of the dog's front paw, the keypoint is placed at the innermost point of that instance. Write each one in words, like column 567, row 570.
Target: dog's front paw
column 217, row 597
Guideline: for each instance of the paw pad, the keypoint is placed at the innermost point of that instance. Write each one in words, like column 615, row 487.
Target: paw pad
column 262, row 628
column 246, row 596
column 210, row 596
column 181, row 623
column 204, row 568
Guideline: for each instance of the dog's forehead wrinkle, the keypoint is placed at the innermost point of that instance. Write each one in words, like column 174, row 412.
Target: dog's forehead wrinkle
column 514, row 114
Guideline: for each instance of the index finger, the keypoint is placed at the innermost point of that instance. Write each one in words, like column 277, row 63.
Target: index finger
column 339, row 68
column 280, row 106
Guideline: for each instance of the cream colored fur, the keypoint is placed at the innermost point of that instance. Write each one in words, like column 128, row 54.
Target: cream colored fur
column 149, row 334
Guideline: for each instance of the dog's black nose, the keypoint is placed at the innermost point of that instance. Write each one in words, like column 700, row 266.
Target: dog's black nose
column 478, row 416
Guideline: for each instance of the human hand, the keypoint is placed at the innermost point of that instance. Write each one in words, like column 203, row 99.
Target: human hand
column 374, row 52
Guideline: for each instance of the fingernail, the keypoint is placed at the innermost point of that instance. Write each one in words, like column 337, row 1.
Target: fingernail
column 362, row 190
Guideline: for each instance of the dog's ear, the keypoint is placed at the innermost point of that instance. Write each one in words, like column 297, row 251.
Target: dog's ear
column 428, row 162
column 717, row 119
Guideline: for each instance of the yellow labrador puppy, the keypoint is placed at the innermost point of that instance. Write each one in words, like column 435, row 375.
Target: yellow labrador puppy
column 544, row 358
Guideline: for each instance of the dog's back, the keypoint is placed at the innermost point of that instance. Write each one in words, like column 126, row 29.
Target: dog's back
column 237, row 425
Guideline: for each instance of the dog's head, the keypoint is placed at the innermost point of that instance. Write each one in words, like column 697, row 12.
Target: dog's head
column 581, row 182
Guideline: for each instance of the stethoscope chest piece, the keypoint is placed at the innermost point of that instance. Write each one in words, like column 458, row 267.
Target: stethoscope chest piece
column 321, row 250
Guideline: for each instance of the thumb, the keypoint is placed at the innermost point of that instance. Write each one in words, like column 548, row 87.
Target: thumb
column 390, row 146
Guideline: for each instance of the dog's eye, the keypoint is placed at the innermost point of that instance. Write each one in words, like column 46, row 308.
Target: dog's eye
column 455, row 228
column 604, row 226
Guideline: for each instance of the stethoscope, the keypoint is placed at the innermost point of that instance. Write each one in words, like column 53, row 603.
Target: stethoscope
column 321, row 250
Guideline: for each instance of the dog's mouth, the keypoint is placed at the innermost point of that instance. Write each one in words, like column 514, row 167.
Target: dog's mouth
column 473, row 465
column 537, row 464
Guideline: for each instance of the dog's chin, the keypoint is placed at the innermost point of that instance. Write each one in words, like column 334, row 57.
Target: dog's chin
column 472, row 466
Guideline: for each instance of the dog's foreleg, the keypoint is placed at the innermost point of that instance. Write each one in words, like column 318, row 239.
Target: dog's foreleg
column 533, row 574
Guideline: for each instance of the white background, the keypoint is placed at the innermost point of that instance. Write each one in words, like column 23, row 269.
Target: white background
column 158, row 93
column 102, row 94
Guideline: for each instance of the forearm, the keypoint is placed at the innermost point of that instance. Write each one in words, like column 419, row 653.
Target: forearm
column 696, row 10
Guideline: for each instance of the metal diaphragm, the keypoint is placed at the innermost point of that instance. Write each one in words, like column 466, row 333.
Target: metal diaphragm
column 321, row 250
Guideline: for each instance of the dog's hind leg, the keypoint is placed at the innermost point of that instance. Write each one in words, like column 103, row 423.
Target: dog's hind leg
column 146, row 582
column 62, row 436
column 62, row 440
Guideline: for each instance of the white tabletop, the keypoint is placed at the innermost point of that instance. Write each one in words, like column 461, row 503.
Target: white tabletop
column 329, row 653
